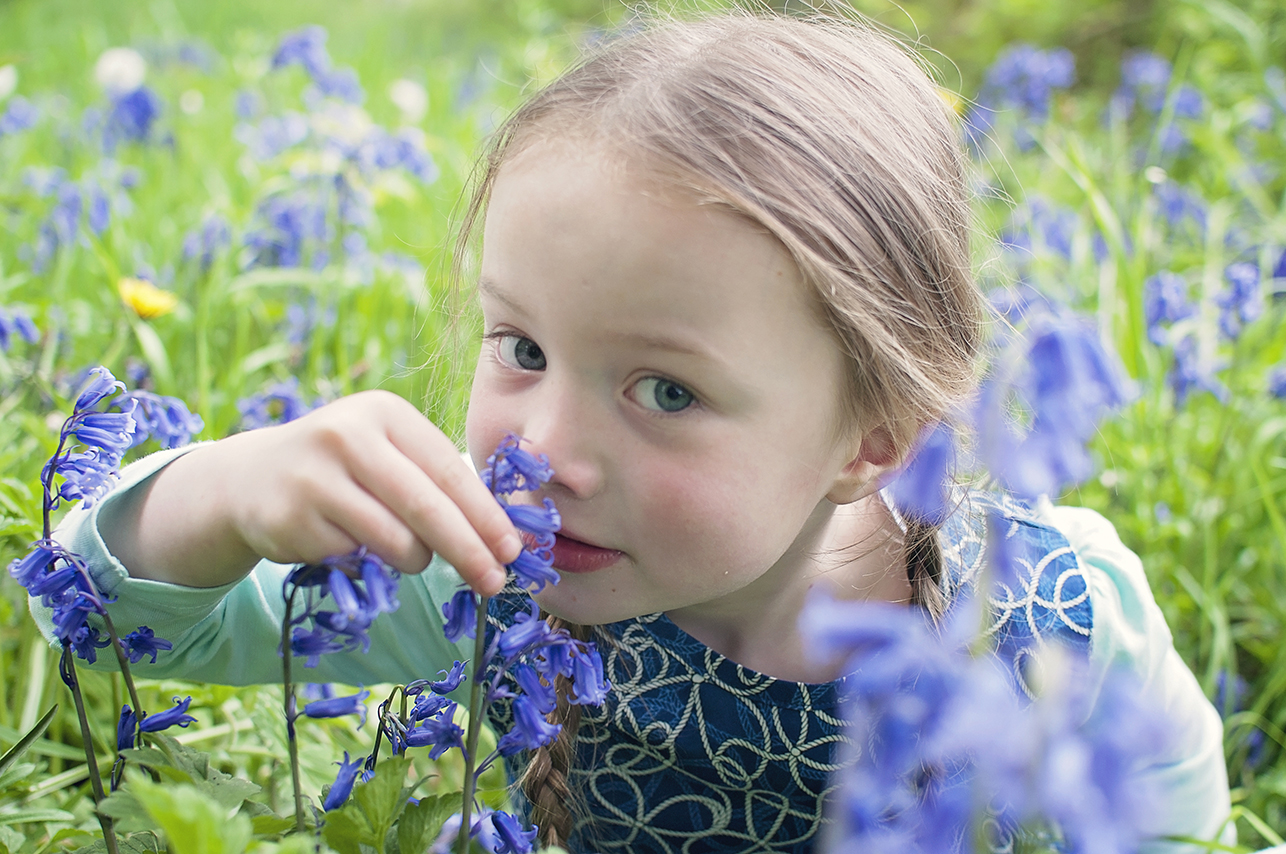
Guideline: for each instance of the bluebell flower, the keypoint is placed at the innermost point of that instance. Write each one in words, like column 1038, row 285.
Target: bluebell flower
column 343, row 785
column 132, row 117
column 537, row 689
column 1277, row 382
column 305, row 46
column 341, row 83
column 338, row 707
column 427, row 706
column 527, row 630
column 311, row 645
column 126, row 729
column 143, row 641
column 513, row 838
column 404, row 150
column 1165, row 301
column 530, row 729
column 86, row 641
column 1194, row 371
column 272, row 135
column 18, row 116
column 380, row 585
column 540, row 521
column 534, row 568
column 589, row 687
column 1069, row 381
column 450, row 681
column 287, row 225
column 15, row 322
column 461, row 615
column 1243, row 300
column 439, row 732
column 31, row 566
column 1180, row 205
column 165, row 419
column 1146, row 77
column 919, row 488
column 1024, row 77
column 278, row 404
column 204, row 242
column 177, row 716
column 511, row 469
column 1279, row 269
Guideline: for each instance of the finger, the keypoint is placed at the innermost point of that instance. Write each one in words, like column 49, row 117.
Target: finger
column 367, row 520
column 434, row 517
column 435, row 455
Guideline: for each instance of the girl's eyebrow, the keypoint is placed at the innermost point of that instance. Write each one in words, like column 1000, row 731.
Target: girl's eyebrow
column 490, row 288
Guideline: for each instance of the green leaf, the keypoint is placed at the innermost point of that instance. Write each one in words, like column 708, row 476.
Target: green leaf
column 421, row 823
column 11, row 755
column 271, row 825
column 16, row 774
column 154, row 352
column 139, row 843
column 347, row 830
column 123, row 807
column 383, row 796
column 192, row 820
column 35, row 815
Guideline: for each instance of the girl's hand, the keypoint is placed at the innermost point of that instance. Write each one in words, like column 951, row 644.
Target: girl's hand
column 368, row 469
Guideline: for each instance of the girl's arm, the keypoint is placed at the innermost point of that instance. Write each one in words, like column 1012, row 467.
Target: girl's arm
column 230, row 634
column 368, row 469
column 1130, row 631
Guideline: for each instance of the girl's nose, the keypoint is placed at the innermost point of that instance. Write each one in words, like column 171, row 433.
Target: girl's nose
column 566, row 433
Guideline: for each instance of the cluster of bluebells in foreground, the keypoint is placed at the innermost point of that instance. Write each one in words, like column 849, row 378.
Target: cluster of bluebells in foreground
column 950, row 757
column 105, row 423
column 518, row 664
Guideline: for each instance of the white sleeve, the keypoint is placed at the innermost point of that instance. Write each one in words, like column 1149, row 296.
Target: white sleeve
column 1130, row 631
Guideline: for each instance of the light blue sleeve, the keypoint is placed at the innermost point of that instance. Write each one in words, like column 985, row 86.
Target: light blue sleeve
column 1130, row 631
column 231, row 634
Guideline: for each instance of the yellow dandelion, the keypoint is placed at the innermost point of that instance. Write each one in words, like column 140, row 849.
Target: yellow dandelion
column 952, row 100
column 147, row 300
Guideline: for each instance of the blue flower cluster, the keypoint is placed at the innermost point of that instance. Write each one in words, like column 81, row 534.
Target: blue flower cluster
column 307, row 47
column 18, row 116
column 129, row 725
column 1022, row 79
column 358, row 587
column 941, row 737
column 16, row 323
column 213, row 235
column 1146, row 81
column 277, row 404
column 166, row 419
column 521, row 664
column 131, row 118
column 1066, row 378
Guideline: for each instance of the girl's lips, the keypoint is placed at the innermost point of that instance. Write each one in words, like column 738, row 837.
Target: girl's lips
column 574, row 556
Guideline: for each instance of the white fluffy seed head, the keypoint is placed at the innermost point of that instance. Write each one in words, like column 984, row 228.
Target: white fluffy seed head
column 8, row 80
column 409, row 97
column 120, row 70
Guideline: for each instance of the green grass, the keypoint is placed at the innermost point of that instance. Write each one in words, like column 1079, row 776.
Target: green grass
column 1198, row 489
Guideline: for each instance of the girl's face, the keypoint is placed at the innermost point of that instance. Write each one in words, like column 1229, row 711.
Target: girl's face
column 666, row 357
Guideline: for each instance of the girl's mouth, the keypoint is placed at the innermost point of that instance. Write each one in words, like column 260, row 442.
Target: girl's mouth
column 574, row 556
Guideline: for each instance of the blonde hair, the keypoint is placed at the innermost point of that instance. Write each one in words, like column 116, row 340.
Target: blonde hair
column 832, row 139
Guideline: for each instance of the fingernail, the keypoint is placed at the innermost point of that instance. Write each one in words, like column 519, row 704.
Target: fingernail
column 498, row 579
column 512, row 544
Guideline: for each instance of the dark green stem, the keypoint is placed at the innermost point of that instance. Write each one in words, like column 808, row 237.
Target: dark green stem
column 289, row 700
column 475, row 724
column 68, row 667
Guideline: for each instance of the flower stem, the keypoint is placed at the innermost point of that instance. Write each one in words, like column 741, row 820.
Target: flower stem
column 289, row 700
column 476, row 713
column 67, row 666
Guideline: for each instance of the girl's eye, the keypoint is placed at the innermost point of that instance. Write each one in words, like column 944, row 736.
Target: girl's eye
column 521, row 352
column 662, row 395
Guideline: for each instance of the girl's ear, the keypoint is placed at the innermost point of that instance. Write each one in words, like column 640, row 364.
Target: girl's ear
column 877, row 453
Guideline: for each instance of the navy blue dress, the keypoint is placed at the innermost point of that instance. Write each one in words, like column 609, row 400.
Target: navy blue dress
column 694, row 753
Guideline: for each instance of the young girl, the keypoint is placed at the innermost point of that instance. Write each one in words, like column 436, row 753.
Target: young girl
column 726, row 282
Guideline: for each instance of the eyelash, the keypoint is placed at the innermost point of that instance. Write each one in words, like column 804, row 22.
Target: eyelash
column 499, row 335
